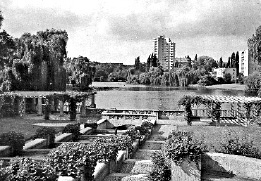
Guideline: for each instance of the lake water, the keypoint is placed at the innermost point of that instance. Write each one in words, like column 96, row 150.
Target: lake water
column 125, row 96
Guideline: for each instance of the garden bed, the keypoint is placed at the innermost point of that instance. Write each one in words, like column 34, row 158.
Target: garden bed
column 213, row 135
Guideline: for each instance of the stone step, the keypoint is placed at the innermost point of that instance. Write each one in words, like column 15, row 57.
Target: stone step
column 136, row 166
column 153, row 145
column 127, row 177
column 144, row 154
column 220, row 176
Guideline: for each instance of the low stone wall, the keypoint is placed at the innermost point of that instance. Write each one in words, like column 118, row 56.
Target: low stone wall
column 65, row 137
column 101, row 171
column 35, row 144
column 220, row 164
column 102, row 124
column 86, row 130
column 5, row 151
column 186, row 171
column 241, row 166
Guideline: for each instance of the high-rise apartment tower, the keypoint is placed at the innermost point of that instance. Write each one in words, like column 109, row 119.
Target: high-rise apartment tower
column 164, row 49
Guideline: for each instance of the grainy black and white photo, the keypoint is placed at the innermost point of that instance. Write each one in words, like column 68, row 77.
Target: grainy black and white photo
column 130, row 90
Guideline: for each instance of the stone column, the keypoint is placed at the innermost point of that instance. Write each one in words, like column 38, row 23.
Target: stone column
column 34, row 104
column 40, row 107
column 61, row 107
column 83, row 108
column 52, row 105
column 93, row 105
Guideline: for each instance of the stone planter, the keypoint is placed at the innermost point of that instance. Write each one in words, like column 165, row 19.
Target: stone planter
column 187, row 170
column 66, row 178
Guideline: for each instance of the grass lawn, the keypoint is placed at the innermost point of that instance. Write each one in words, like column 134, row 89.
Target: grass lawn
column 25, row 125
column 213, row 135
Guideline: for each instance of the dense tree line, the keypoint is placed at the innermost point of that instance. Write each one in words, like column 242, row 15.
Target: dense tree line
column 193, row 72
column 110, row 72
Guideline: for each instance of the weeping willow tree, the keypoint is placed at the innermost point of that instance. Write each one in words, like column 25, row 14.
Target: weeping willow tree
column 38, row 61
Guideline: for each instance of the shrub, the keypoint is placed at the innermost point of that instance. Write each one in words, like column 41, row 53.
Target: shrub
column 145, row 128
column 106, row 149
column 161, row 167
column 142, row 130
column 132, row 133
column 181, row 145
column 147, row 124
column 13, row 139
column 29, row 170
column 46, row 132
column 237, row 146
column 68, row 159
column 74, row 129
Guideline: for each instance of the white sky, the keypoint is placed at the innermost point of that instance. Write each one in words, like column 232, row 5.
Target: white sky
column 121, row 30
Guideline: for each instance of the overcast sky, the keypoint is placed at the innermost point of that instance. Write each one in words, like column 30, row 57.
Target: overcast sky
column 121, row 30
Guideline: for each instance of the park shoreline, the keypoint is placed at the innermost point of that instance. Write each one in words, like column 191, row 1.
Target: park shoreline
column 222, row 86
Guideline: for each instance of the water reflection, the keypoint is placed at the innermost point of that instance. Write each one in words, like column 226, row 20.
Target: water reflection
column 149, row 97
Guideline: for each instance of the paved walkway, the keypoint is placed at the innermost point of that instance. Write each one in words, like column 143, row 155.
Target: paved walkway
column 139, row 167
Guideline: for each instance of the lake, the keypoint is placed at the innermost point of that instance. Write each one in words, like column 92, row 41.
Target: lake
column 125, row 96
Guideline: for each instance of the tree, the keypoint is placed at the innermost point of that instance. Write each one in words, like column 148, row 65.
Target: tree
column 81, row 72
column 220, row 63
column 1, row 19
column 37, row 60
column 233, row 61
column 205, row 62
column 137, row 63
column 227, row 78
column 189, row 61
column 254, row 46
column 253, row 83
column 196, row 57
column 228, row 63
column 237, row 63
column 7, row 49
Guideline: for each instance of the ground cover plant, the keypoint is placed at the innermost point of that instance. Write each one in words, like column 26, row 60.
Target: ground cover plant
column 77, row 160
column 213, row 136
column 15, row 140
column 74, row 129
column 161, row 167
column 46, row 133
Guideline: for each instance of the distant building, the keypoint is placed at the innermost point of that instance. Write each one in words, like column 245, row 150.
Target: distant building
column 220, row 72
column 248, row 64
column 164, row 49
column 244, row 62
column 179, row 62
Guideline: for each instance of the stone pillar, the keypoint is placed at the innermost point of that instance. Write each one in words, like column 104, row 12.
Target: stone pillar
column 52, row 105
column 93, row 105
column 40, row 107
column 61, row 107
column 83, row 108
column 34, row 104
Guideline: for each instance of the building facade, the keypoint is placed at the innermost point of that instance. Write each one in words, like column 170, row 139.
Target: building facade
column 248, row 64
column 220, row 72
column 244, row 62
column 164, row 49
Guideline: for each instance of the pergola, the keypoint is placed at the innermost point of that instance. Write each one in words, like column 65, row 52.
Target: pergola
column 241, row 107
column 52, row 101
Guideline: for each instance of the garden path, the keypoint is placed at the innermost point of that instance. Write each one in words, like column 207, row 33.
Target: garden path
column 139, row 167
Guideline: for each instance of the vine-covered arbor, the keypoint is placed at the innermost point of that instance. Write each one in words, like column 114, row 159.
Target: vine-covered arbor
column 43, row 103
column 242, row 108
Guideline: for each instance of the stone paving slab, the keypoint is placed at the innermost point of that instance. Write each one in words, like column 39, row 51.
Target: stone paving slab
column 136, row 166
